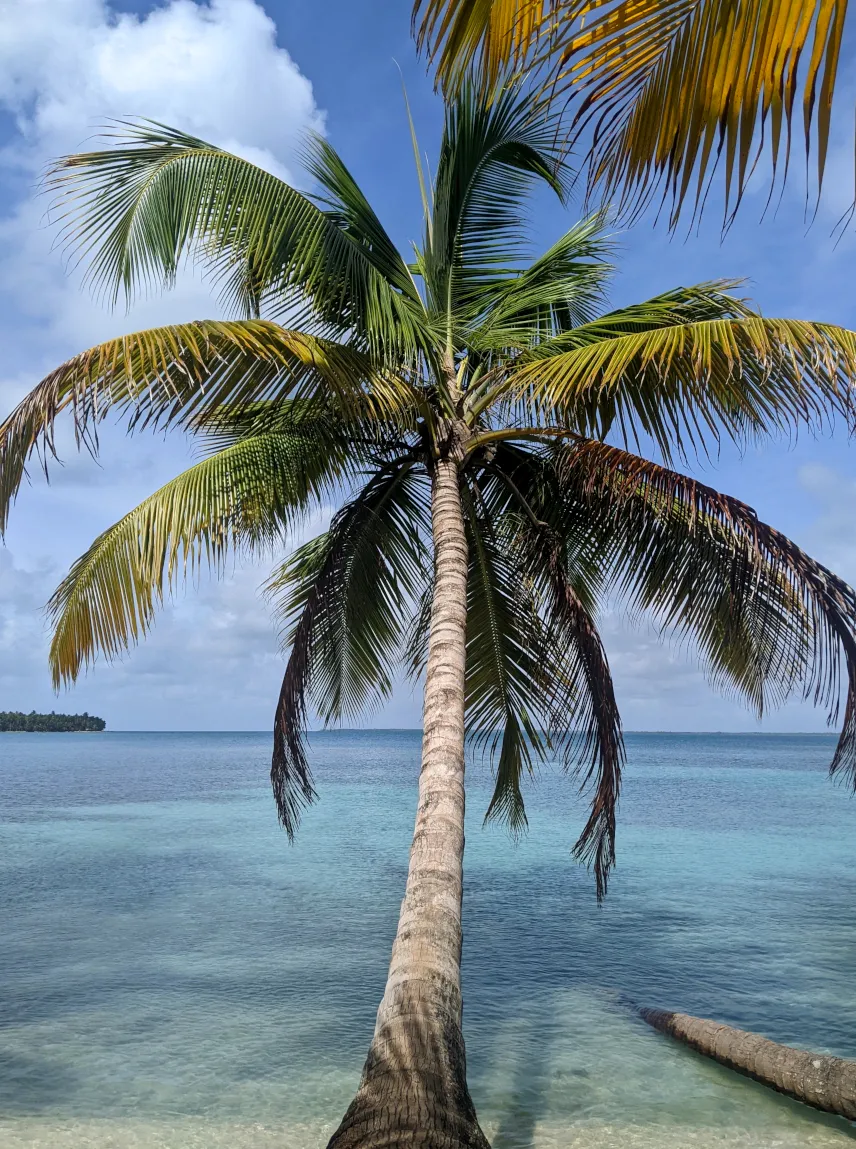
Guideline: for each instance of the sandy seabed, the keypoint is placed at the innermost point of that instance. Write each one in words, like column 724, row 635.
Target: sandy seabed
column 38, row 1134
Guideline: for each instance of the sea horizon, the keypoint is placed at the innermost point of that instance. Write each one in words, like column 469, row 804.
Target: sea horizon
column 418, row 730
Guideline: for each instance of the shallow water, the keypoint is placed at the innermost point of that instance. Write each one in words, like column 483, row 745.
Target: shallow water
column 175, row 976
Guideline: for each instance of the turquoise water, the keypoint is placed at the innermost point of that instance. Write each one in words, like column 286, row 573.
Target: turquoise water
column 175, row 976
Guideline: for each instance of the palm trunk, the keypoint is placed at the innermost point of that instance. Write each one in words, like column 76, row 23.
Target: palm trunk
column 413, row 1090
column 824, row 1082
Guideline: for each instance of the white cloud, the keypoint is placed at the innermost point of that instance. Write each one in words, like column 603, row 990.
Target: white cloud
column 214, row 70
column 66, row 68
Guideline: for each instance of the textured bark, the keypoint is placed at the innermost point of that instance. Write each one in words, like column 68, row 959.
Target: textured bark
column 824, row 1082
column 413, row 1090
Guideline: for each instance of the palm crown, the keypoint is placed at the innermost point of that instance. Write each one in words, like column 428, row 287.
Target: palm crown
column 353, row 374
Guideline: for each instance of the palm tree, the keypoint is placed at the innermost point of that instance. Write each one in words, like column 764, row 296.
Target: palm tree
column 664, row 91
column 817, row 1079
column 457, row 407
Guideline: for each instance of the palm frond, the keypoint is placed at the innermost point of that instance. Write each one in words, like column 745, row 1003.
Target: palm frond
column 290, row 776
column 369, row 566
column 418, row 633
column 489, row 37
column 508, row 664
column 371, row 440
column 765, row 617
column 664, row 92
column 345, row 205
column 344, row 601
column 228, row 424
column 594, row 747
column 687, row 384
column 241, row 499
column 578, row 712
column 491, row 154
column 672, row 91
column 135, row 210
column 179, row 374
column 559, row 291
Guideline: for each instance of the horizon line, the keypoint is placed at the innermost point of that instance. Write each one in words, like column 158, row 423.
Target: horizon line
column 418, row 730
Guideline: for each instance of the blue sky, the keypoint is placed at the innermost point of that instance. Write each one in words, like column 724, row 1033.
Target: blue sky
column 252, row 77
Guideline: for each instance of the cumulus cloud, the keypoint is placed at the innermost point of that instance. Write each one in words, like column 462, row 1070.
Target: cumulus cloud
column 214, row 70
column 212, row 661
column 66, row 68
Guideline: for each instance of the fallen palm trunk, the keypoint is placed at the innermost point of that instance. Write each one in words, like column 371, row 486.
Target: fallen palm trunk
column 827, row 1083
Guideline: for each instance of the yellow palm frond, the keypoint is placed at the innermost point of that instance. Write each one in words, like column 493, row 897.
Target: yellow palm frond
column 245, row 496
column 498, row 33
column 688, row 384
column 664, row 89
column 177, row 374
column 672, row 89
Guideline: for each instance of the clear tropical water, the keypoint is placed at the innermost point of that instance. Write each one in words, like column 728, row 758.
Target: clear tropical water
column 175, row 976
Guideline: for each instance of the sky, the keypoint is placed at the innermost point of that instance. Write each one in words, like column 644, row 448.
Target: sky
column 253, row 77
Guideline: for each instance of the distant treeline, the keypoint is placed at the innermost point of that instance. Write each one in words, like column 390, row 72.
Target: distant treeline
column 48, row 723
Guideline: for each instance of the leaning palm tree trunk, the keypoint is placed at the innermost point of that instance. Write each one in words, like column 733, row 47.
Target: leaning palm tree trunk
column 827, row 1083
column 414, row 1087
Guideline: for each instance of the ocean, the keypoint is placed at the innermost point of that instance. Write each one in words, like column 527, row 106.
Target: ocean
column 174, row 975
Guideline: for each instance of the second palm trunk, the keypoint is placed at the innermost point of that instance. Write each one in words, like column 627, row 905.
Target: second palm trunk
column 413, row 1090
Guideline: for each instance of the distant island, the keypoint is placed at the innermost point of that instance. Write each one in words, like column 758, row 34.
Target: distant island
column 16, row 721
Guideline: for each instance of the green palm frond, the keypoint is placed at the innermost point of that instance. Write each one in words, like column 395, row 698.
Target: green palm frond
column 177, row 375
column 418, row 633
column 575, row 703
column 491, row 155
column 290, row 776
column 687, row 384
column 593, row 747
column 677, row 308
column 344, row 601
column 765, row 617
column 666, row 92
column 225, row 425
column 370, row 440
column 133, row 212
column 242, row 499
column 372, row 562
column 681, row 305
column 508, row 664
column 345, row 205
column 559, row 291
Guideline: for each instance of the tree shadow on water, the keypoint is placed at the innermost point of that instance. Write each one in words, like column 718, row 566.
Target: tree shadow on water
column 526, row 1100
